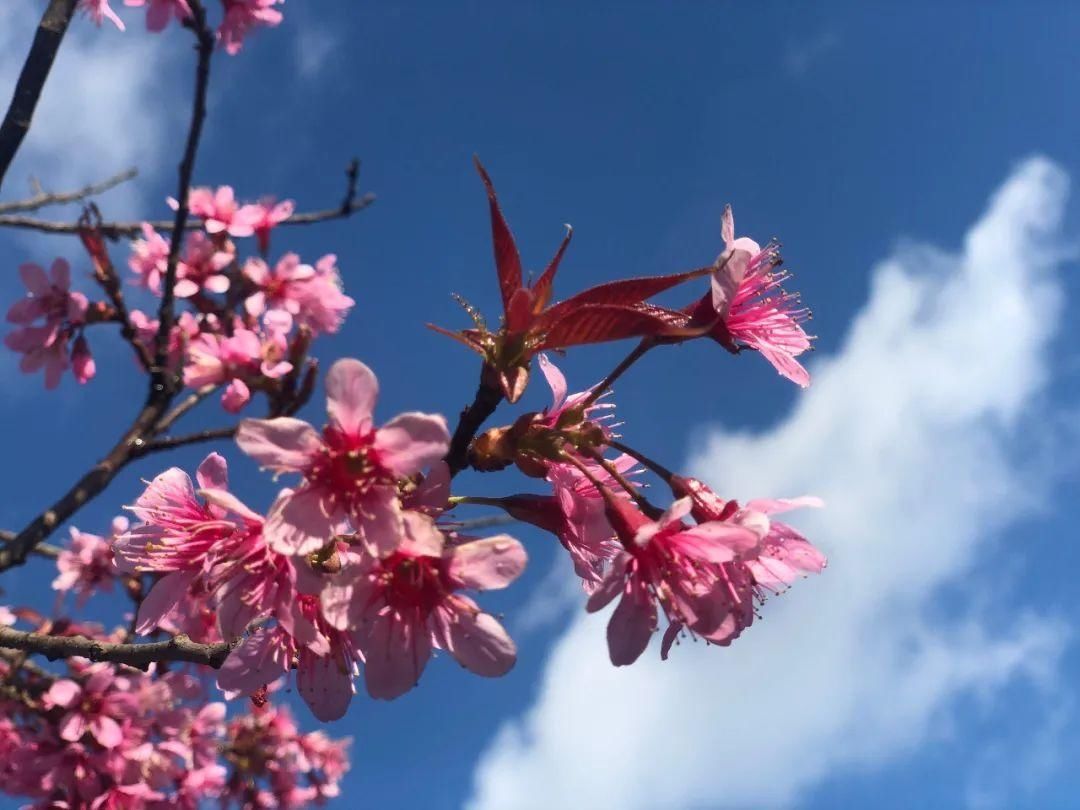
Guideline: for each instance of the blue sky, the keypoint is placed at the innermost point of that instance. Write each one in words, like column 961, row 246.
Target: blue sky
column 934, row 661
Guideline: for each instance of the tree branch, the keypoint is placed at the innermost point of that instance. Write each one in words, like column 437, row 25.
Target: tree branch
column 162, row 383
column 140, row 656
column 41, row 199
column 172, row 442
column 474, row 415
column 120, row 230
column 47, row 39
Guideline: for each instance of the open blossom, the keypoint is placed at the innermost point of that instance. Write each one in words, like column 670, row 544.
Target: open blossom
column 92, row 706
column 667, row 562
column 49, row 297
column 243, row 15
column 310, row 294
column 99, row 11
column 86, row 565
column 149, row 258
column 201, row 266
column 220, row 212
column 270, row 215
column 401, row 606
column 752, row 309
column 159, row 12
column 351, row 470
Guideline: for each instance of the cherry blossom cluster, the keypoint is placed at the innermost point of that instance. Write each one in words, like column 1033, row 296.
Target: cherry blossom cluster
column 95, row 736
column 238, row 17
column 249, row 323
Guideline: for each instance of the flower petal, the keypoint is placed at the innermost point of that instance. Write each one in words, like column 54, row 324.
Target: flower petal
column 351, row 392
column 283, row 444
column 412, row 441
column 480, row 643
column 396, row 653
column 324, row 686
column 487, row 564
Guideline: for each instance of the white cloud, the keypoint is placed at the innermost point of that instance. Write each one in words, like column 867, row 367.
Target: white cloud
column 909, row 433
column 313, row 48
column 111, row 102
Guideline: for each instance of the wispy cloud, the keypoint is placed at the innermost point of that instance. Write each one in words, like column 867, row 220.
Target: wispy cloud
column 313, row 47
column 801, row 54
column 110, row 103
column 910, row 432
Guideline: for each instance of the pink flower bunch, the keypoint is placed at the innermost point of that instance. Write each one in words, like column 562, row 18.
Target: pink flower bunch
column 101, row 738
column 220, row 212
column 274, row 765
column 86, row 565
column 241, row 16
column 160, row 12
column 62, row 315
column 241, row 360
column 311, row 295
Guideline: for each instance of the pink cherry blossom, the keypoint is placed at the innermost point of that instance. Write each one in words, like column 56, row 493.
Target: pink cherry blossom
column 402, row 606
column 311, row 295
column 92, row 706
column 202, row 264
column 99, row 11
column 48, row 297
column 350, row 471
column 149, row 258
column 668, row 562
column 239, row 359
column 270, row 215
column 86, row 565
column 159, row 12
column 220, row 212
column 751, row 308
column 82, row 361
column 41, row 347
column 243, row 15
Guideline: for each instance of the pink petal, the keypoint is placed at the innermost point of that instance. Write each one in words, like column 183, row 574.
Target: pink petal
column 396, row 653
column 284, row 444
column 351, row 391
column 185, row 288
column 774, row 506
column 422, row 536
column 631, row 626
column 480, row 643
column 298, row 523
column 230, row 503
column 380, row 523
column 260, row 660
column 62, row 693
column 107, row 731
column 412, row 441
column 325, row 688
column 488, row 564
column 162, row 598
column 72, row 727
column 555, row 379
column 612, row 585
column 34, row 278
column 60, row 273
column 213, row 473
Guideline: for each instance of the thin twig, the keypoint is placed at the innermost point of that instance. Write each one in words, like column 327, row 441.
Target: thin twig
column 140, row 656
column 120, row 230
column 41, row 199
column 35, row 70
column 172, row 442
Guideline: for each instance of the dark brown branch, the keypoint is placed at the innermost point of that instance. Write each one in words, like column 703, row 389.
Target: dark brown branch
column 41, row 199
column 140, row 656
column 487, row 399
column 120, row 230
column 172, row 442
column 47, row 39
column 189, row 402
column 162, row 380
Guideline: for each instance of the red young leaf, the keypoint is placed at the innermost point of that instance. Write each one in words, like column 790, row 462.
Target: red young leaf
column 507, row 258
column 622, row 292
column 542, row 287
column 599, row 323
